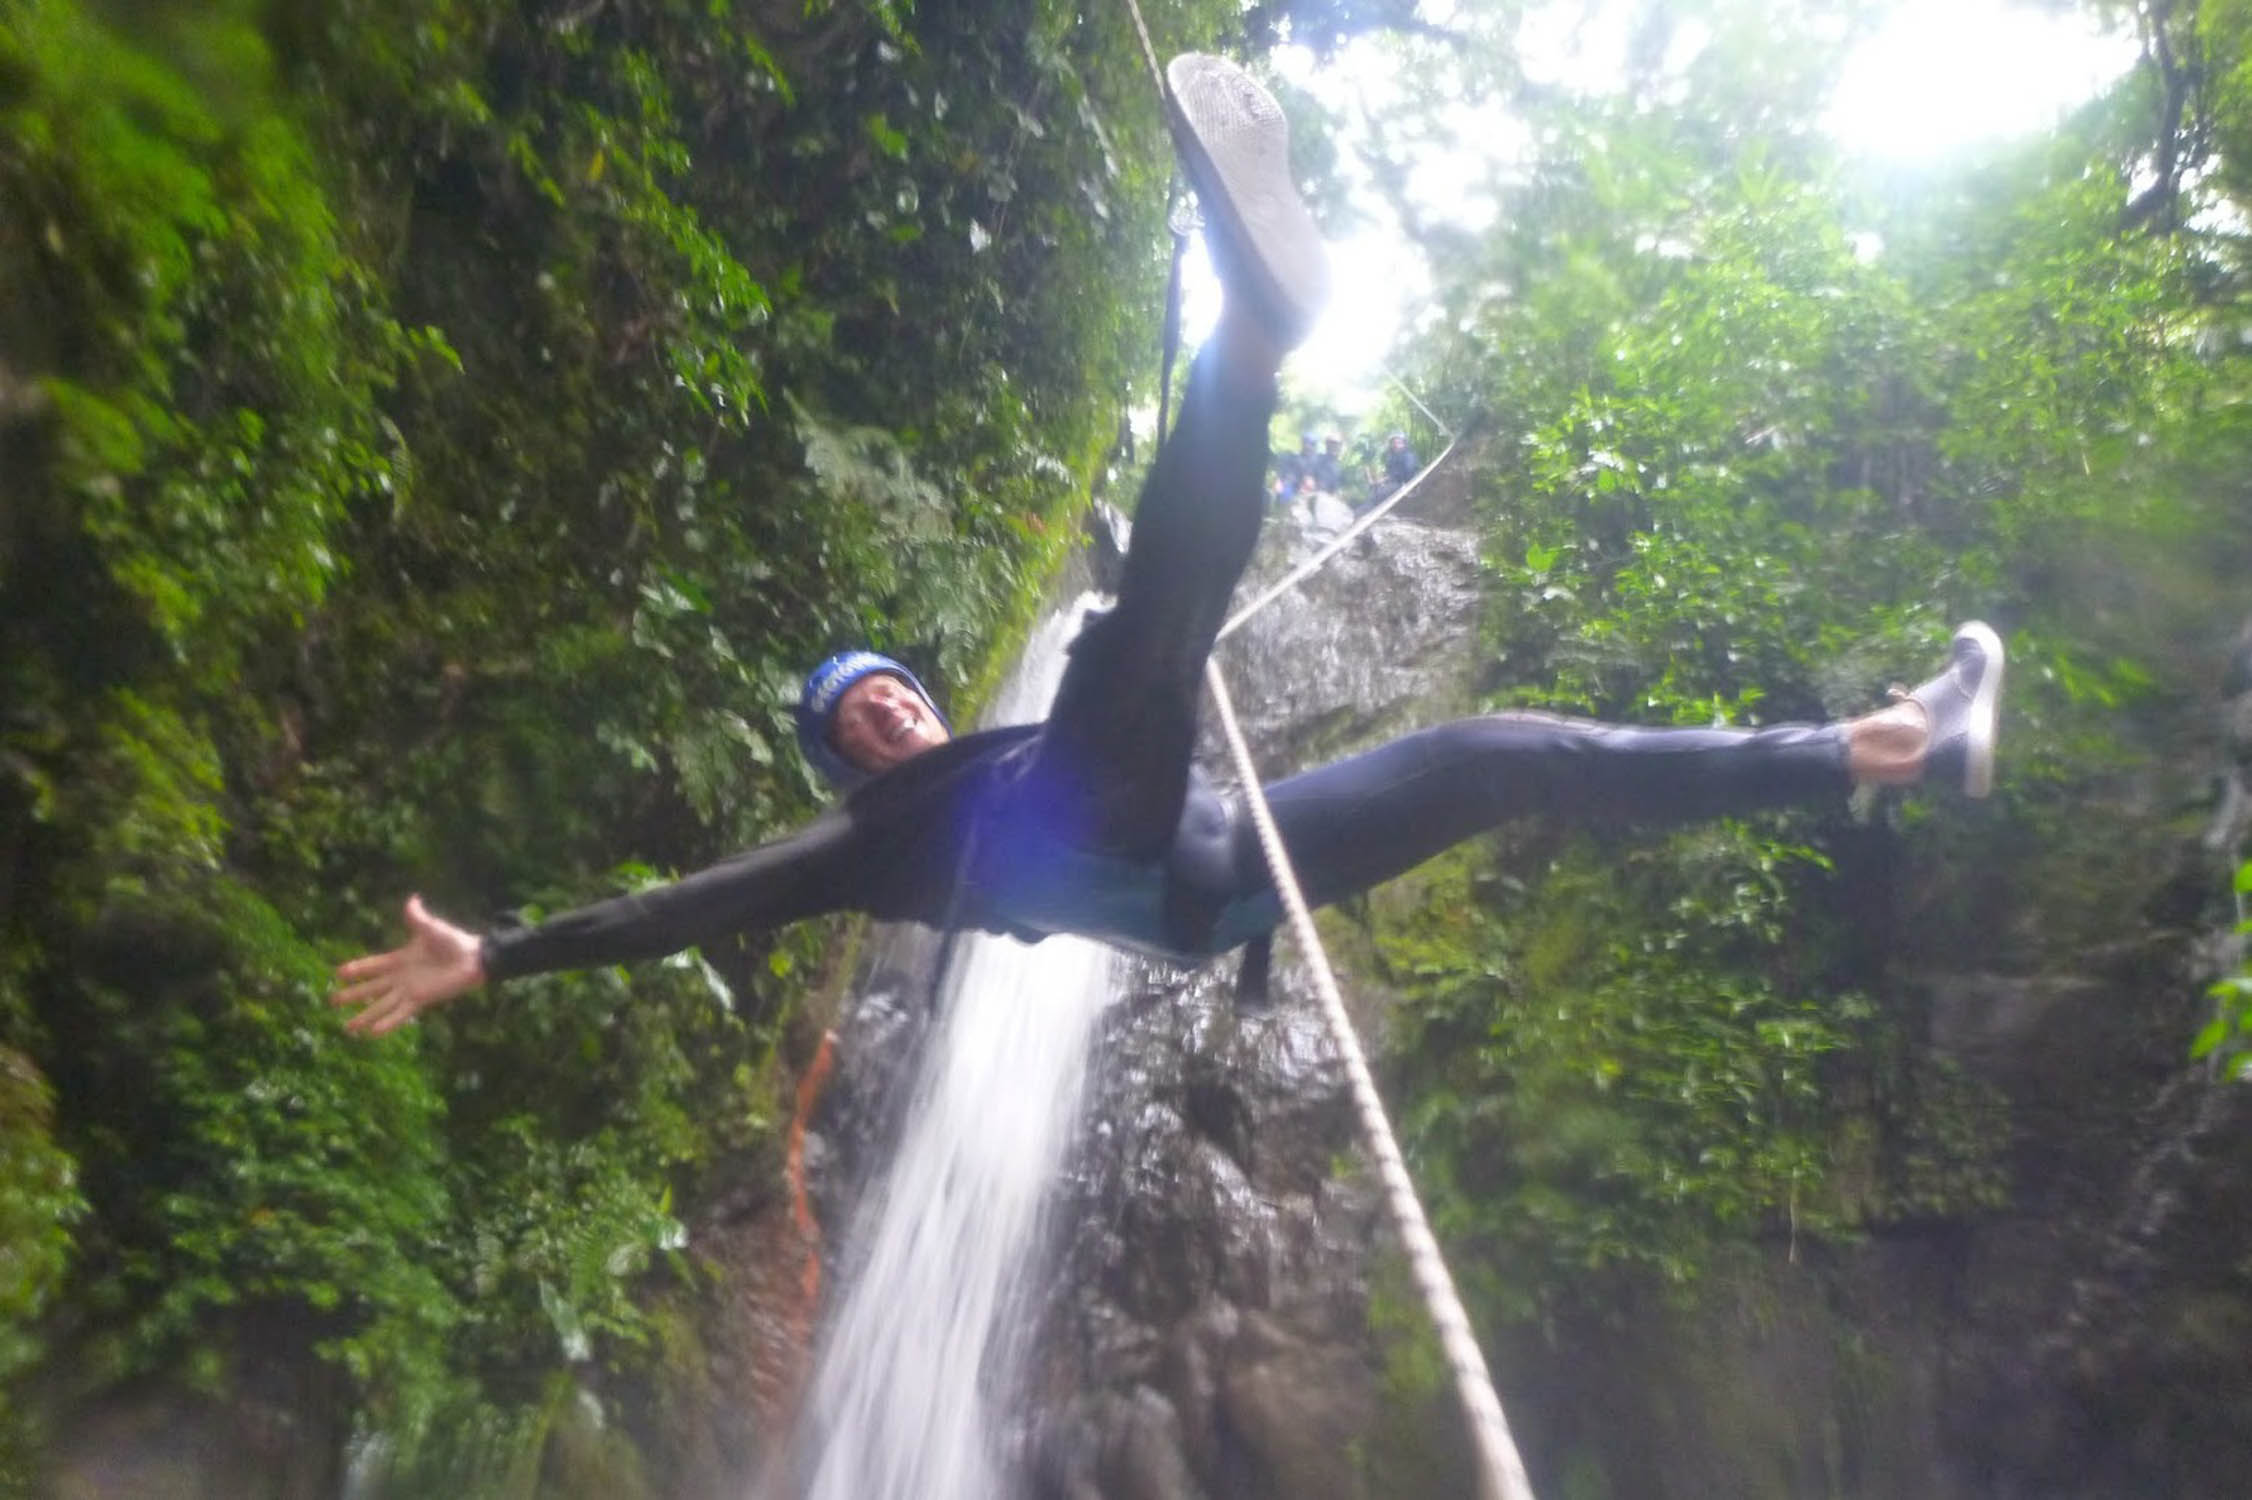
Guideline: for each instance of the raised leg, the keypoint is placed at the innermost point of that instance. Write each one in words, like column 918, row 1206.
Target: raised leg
column 1365, row 819
column 1113, row 763
column 1111, row 771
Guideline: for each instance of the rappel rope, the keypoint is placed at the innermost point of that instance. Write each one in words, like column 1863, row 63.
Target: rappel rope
column 1409, row 392
column 1501, row 1471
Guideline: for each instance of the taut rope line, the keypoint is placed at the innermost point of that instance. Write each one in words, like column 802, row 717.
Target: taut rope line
column 1313, row 565
column 1409, row 392
column 1501, row 1470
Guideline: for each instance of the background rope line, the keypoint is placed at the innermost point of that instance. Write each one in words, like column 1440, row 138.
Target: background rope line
column 1313, row 565
column 1149, row 49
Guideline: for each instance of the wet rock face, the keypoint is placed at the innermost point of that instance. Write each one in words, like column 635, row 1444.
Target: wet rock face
column 856, row 1125
column 1209, row 1335
column 1209, row 1332
column 193, row 1448
column 1382, row 639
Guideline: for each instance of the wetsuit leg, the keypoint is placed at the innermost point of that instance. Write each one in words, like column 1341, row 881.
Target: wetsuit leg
column 1112, row 766
column 1362, row 820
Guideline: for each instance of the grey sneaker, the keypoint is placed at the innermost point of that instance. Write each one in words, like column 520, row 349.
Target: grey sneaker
column 1961, row 706
column 1235, row 146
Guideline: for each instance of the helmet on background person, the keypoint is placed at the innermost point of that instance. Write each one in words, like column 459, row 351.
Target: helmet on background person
column 825, row 687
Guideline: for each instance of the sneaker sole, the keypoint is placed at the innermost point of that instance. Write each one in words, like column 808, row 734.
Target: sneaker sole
column 1235, row 143
column 1981, row 723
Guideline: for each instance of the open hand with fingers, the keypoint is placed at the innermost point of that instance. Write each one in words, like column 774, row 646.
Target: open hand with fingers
column 437, row 962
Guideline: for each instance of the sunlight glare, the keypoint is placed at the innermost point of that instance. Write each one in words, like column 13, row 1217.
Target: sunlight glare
column 1942, row 74
column 1936, row 76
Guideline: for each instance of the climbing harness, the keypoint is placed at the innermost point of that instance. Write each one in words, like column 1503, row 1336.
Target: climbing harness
column 1501, row 1470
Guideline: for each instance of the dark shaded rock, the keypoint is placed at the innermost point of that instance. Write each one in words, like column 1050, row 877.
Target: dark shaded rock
column 1218, row 1265
column 1297, row 1405
column 1142, row 1459
column 279, row 1433
column 856, row 1125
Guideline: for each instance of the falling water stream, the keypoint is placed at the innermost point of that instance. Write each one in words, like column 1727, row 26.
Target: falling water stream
column 913, row 1387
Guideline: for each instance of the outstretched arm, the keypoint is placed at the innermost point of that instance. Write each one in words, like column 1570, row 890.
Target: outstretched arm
column 437, row 962
column 800, row 876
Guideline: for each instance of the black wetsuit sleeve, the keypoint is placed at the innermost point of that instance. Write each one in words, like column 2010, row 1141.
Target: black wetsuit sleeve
column 794, row 877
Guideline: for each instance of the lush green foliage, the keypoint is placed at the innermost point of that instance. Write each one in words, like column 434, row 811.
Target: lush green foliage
column 1758, row 431
column 39, row 1200
column 437, row 437
column 437, row 433
column 2227, row 1038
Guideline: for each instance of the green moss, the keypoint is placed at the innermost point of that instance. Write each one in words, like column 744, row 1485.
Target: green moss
column 428, row 472
column 1604, row 1064
column 1416, row 1444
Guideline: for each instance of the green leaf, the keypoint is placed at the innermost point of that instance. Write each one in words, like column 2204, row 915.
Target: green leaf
column 893, row 143
column 2215, row 1032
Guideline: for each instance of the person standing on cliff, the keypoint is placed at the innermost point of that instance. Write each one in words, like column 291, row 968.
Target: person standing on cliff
column 1292, row 469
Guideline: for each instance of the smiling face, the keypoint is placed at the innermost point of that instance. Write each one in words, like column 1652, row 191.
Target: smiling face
column 881, row 721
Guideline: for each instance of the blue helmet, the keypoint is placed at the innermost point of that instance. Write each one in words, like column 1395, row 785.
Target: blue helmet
column 824, row 688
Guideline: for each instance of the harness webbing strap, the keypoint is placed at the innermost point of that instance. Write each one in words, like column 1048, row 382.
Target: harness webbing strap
column 1501, row 1471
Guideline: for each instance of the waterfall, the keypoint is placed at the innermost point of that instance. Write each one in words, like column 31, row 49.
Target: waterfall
column 918, row 1369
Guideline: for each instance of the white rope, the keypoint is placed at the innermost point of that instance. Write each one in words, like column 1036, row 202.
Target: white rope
column 1149, row 52
column 1409, row 392
column 1501, row 1471
column 1312, row 565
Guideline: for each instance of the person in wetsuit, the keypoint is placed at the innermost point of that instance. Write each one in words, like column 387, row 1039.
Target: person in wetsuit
column 1291, row 469
column 1328, row 466
column 1096, row 821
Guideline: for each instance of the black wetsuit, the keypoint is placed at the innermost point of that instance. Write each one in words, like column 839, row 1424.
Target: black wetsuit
column 1097, row 822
